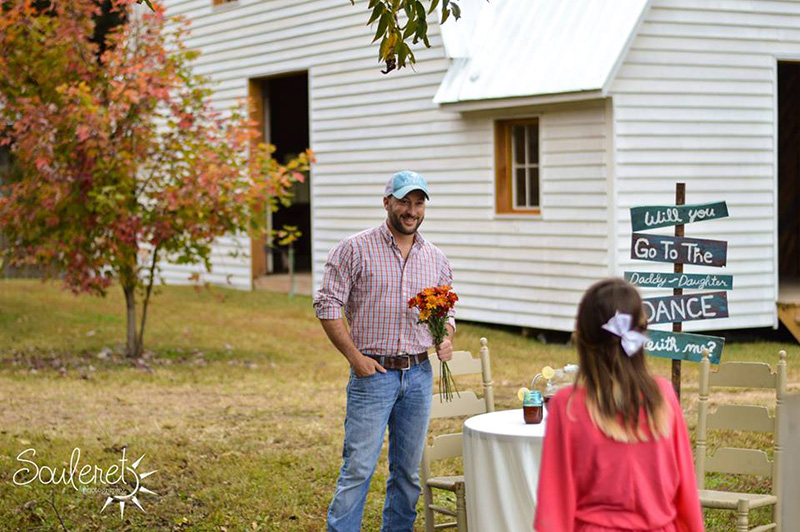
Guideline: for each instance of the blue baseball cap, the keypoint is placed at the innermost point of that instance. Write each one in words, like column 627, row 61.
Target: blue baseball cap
column 404, row 182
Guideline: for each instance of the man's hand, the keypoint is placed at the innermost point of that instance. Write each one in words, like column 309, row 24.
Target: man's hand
column 445, row 350
column 366, row 366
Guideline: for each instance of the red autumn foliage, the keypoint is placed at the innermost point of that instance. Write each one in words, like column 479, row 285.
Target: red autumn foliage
column 122, row 159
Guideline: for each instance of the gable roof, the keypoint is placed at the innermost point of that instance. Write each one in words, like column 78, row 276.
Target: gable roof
column 527, row 48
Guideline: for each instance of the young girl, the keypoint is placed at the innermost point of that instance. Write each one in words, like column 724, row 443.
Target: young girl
column 616, row 451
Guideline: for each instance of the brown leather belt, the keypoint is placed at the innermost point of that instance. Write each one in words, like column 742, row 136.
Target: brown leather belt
column 402, row 362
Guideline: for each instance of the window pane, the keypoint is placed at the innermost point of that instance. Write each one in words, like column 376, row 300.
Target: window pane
column 521, row 188
column 533, row 187
column 518, row 135
column 533, row 143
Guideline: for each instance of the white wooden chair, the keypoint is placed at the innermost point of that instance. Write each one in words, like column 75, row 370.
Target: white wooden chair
column 449, row 445
column 746, row 418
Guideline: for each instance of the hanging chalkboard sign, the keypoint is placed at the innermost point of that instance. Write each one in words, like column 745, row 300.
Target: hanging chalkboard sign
column 679, row 250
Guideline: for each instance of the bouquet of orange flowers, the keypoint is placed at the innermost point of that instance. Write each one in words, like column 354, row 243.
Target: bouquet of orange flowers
column 434, row 304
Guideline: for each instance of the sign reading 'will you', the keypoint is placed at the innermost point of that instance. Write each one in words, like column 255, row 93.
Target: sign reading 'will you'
column 643, row 218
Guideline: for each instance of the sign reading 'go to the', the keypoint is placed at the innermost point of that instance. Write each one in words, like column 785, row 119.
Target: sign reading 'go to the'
column 679, row 250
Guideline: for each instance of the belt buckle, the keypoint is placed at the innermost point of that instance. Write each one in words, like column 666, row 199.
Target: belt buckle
column 408, row 359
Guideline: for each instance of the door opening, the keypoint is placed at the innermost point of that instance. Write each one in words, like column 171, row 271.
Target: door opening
column 789, row 196
column 281, row 108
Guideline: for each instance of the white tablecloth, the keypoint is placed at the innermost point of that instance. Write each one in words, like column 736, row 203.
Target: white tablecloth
column 501, row 471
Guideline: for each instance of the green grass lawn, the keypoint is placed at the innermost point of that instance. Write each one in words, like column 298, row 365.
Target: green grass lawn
column 238, row 404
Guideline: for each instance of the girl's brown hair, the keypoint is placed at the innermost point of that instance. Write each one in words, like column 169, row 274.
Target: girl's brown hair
column 617, row 386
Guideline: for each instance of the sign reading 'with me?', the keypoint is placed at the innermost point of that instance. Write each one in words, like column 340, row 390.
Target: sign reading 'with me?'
column 686, row 307
column 684, row 346
column 679, row 250
column 652, row 217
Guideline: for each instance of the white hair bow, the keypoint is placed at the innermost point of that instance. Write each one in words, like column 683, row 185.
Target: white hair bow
column 631, row 339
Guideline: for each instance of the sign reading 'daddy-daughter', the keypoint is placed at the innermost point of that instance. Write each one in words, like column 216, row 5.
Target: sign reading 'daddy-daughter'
column 680, row 280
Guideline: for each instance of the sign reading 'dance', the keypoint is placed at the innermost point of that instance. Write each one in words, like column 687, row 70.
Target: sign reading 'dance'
column 694, row 281
column 679, row 250
column 688, row 307
column 653, row 216
column 684, row 346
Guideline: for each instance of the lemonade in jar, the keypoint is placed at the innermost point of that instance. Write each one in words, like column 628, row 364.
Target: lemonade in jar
column 550, row 381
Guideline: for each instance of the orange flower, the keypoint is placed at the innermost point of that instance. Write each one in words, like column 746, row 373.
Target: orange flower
column 433, row 302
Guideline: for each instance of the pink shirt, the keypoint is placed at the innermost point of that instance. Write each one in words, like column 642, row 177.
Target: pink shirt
column 366, row 274
column 589, row 482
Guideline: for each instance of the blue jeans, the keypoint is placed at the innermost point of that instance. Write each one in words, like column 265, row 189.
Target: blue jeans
column 401, row 400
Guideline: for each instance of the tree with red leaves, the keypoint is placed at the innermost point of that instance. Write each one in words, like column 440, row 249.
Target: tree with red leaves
column 121, row 160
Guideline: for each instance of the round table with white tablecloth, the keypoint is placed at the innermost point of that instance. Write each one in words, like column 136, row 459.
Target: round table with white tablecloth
column 501, row 471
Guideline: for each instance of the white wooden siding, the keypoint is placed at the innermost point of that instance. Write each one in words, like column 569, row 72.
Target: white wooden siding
column 694, row 102
column 527, row 271
column 255, row 39
column 365, row 126
column 230, row 260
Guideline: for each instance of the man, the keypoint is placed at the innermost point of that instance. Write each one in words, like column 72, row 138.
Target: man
column 372, row 275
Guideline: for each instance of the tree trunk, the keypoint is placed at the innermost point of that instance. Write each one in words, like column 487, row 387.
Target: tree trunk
column 133, row 345
column 147, row 294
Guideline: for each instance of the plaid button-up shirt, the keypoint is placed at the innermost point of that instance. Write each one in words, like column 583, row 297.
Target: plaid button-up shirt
column 366, row 275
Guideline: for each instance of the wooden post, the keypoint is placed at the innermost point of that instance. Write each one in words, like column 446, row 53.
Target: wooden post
column 680, row 199
column 486, row 368
column 702, row 414
column 778, row 435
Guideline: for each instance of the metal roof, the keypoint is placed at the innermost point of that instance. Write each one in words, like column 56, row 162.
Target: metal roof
column 518, row 48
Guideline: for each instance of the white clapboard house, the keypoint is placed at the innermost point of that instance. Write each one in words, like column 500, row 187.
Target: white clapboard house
column 538, row 124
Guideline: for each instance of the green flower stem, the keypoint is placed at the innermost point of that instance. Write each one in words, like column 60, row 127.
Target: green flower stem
column 447, row 385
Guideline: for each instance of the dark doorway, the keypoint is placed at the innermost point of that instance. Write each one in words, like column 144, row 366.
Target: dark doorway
column 281, row 107
column 788, row 172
